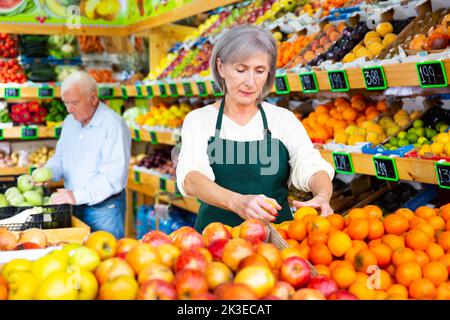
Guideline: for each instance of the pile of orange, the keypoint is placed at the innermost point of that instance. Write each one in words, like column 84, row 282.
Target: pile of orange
column 289, row 49
column 329, row 119
column 403, row 255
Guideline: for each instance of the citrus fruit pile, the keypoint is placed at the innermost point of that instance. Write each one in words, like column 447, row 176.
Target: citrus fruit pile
column 403, row 255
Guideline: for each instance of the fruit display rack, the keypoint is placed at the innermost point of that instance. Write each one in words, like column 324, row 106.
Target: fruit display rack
column 29, row 133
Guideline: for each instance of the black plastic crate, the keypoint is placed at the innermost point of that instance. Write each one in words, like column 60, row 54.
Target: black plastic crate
column 7, row 182
column 53, row 217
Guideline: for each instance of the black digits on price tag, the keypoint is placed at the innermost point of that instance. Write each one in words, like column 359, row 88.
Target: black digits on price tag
column 29, row 133
column 201, row 86
column 150, row 93
column 139, row 91
column 385, row 168
column 443, row 174
column 374, row 78
column 308, row 81
column 124, row 92
column 282, row 85
column 173, row 90
column 162, row 184
column 338, row 80
column 162, row 90
column 137, row 176
column 1, row 134
column 431, row 74
column 58, row 132
column 106, row 92
column 187, row 89
column 12, row 93
column 46, row 92
column 216, row 89
column 343, row 162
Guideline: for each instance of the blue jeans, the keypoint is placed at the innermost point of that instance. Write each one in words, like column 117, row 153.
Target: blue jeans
column 108, row 215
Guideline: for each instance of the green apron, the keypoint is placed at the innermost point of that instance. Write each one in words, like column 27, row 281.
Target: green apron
column 244, row 176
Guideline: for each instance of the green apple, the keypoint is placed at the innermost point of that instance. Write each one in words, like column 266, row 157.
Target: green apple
column 422, row 141
column 420, row 132
column 46, row 265
column 16, row 265
column 411, row 137
column 84, row 257
column 412, row 130
column 430, row 133
column 402, row 135
column 22, row 285
column 59, row 285
column 443, row 128
column 418, row 123
column 403, row 143
column 393, row 141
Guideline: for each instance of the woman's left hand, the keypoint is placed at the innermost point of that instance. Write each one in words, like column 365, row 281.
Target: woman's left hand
column 318, row 201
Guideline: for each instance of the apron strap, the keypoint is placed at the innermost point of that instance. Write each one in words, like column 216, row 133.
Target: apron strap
column 220, row 117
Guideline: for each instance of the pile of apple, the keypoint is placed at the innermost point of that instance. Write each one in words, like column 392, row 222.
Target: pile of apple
column 221, row 263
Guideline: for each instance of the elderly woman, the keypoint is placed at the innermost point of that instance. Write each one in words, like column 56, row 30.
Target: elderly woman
column 239, row 154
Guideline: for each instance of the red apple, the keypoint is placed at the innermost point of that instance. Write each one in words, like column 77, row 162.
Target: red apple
column 103, row 242
column 112, row 268
column 342, row 295
column 217, row 274
column 271, row 253
column 191, row 259
column 124, row 246
column 308, row 294
column 141, row 255
column 282, row 290
column 27, row 245
column 216, row 248
column 157, row 290
column 187, row 238
column 153, row 271
column 296, row 271
column 235, row 251
column 323, row 284
column 234, row 291
column 215, row 231
column 156, row 238
column 204, row 296
column 189, row 283
column 253, row 260
column 168, row 253
column 253, row 230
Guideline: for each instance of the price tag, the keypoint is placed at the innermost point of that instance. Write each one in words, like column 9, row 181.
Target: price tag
column 11, row 93
column 137, row 135
column 187, row 89
column 150, row 93
column 1, row 134
column 106, row 92
column 124, row 92
column 46, row 92
column 216, row 89
column 343, row 162
column 58, row 132
column 282, row 85
column 139, row 91
column 338, row 81
column 201, row 86
column 162, row 184
column 173, row 90
column 162, row 90
column 443, row 174
column 153, row 137
column 431, row 74
column 385, row 168
column 137, row 176
column 374, row 78
column 32, row 168
column 177, row 191
column 29, row 133
column 308, row 81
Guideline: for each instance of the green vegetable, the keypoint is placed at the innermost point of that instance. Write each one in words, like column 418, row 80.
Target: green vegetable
column 33, row 198
column 25, row 183
column 41, row 175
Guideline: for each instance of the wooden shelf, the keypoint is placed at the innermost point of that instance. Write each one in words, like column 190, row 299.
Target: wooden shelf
column 14, row 171
column 46, row 29
column 16, row 133
column 408, row 169
column 155, row 137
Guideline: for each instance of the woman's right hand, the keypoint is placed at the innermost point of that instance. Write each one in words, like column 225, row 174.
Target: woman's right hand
column 255, row 207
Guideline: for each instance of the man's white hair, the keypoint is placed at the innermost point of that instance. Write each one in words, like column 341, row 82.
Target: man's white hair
column 86, row 82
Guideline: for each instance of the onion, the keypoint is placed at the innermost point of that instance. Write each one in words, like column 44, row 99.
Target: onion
column 8, row 240
column 34, row 235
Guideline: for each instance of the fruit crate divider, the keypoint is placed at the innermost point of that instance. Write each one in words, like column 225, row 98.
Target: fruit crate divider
column 369, row 199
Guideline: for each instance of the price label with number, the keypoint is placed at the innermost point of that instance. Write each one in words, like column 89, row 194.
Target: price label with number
column 385, row 168
column 46, row 92
column 162, row 184
column 153, row 137
column 187, row 89
column 201, row 87
column 32, row 168
column 338, row 80
column 150, row 93
column 162, row 90
column 124, row 92
column 216, row 89
column 432, row 74
column 106, row 92
column 137, row 135
column 58, row 132
column 12, row 93
column 343, row 162
column 177, row 190
column 137, row 176
column 308, row 82
column 1, row 134
column 282, row 85
column 139, row 91
column 374, row 78
column 443, row 174
column 29, row 133
column 173, row 90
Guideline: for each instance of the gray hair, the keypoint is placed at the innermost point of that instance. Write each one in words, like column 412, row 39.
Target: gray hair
column 239, row 43
column 85, row 80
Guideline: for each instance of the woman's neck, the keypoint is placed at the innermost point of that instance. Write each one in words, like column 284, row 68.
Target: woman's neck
column 240, row 113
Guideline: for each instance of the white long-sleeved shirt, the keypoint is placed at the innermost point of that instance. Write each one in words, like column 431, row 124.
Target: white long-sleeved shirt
column 94, row 159
column 200, row 125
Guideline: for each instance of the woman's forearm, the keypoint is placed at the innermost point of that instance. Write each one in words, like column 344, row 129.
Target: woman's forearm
column 320, row 185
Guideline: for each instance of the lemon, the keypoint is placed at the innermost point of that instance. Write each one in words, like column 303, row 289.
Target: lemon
column 437, row 148
column 443, row 138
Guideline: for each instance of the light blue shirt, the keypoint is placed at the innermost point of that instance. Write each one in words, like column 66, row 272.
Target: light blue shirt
column 94, row 159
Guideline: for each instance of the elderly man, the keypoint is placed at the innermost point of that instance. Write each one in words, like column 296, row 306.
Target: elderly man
column 92, row 155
